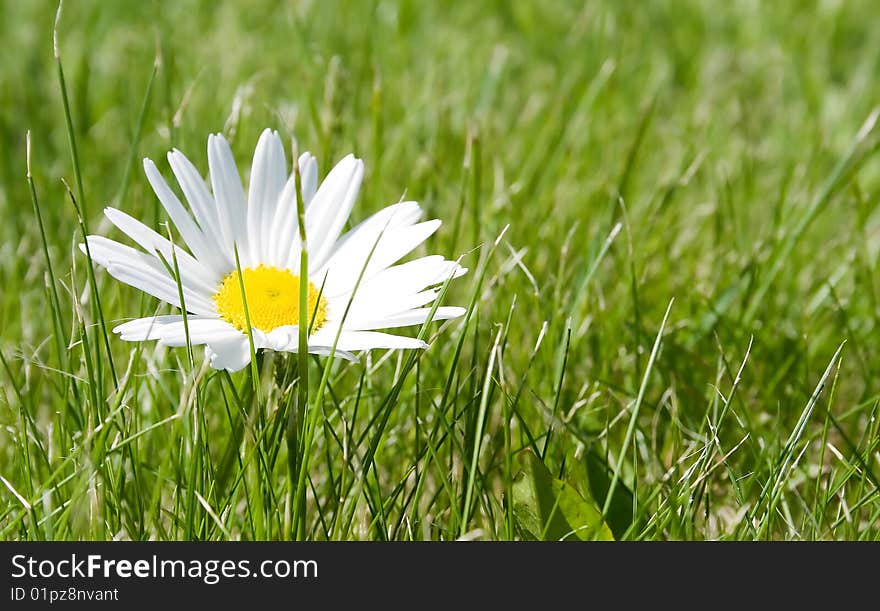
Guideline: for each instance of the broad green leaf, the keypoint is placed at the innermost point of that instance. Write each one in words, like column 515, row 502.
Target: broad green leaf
column 620, row 512
column 549, row 509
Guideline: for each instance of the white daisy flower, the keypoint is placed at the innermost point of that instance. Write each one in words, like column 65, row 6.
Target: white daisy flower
column 263, row 226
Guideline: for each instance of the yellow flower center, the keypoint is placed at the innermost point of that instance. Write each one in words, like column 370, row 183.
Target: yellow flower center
column 272, row 299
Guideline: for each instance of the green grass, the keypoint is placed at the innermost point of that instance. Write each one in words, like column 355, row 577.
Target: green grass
column 679, row 323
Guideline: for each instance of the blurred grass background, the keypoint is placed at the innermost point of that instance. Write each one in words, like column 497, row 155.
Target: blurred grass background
column 723, row 138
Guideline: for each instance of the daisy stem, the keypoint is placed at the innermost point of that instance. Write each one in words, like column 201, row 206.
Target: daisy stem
column 92, row 366
column 255, row 372
column 97, row 310
column 50, row 278
column 295, row 419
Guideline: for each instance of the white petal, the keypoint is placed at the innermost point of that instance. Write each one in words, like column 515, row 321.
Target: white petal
column 364, row 340
column 144, row 329
column 330, row 208
column 284, row 238
column 149, row 240
column 284, row 242
column 327, row 351
column 187, row 228
column 344, row 268
column 147, row 274
column 284, row 338
column 352, row 250
column 201, row 331
column 230, row 354
column 417, row 274
column 159, row 287
column 398, row 243
column 308, row 170
column 375, row 306
column 204, row 208
column 395, row 290
column 229, row 196
column 406, row 319
column 268, row 175
column 410, row 277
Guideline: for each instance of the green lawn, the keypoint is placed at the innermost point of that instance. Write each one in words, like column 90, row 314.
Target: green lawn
column 674, row 338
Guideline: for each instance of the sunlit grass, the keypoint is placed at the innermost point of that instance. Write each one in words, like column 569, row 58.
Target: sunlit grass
column 593, row 165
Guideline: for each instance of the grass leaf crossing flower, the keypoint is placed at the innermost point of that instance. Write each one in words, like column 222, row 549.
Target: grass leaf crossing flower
column 262, row 226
